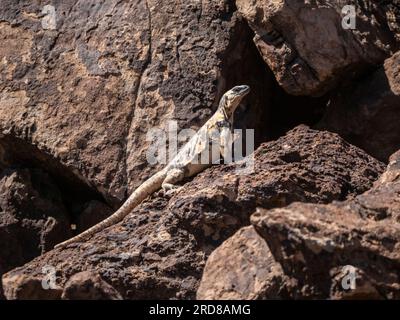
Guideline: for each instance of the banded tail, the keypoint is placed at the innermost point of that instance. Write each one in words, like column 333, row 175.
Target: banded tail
column 148, row 187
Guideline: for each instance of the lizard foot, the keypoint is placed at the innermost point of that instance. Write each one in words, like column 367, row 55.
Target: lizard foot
column 170, row 189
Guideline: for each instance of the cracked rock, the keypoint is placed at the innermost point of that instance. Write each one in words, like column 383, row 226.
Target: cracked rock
column 319, row 245
column 305, row 45
column 160, row 249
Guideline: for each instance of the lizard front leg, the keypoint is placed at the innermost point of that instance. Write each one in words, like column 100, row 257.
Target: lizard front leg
column 226, row 142
column 173, row 176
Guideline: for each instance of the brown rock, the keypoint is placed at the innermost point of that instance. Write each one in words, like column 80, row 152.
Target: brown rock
column 393, row 16
column 33, row 217
column 79, row 97
column 88, row 285
column 94, row 211
column 164, row 243
column 29, row 288
column 242, row 268
column 309, row 51
column 317, row 244
column 367, row 114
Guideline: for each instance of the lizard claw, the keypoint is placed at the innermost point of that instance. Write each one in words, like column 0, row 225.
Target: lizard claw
column 170, row 189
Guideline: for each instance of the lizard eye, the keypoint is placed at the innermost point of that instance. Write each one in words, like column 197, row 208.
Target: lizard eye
column 238, row 90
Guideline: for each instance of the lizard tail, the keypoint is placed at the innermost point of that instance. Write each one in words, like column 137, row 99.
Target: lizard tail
column 147, row 188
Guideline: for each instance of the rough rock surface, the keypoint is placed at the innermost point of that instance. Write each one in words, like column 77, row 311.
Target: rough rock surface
column 87, row 285
column 33, row 217
column 164, row 244
column 79, row 93
column 93, row 212
column 82, row 91
column 242, row 268
column 26, row 288
column 319, row 245
column 393, row 16
column 368, row 113
column 309, row 51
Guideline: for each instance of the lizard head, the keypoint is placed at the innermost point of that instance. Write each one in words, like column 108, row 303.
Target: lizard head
column 232, row 98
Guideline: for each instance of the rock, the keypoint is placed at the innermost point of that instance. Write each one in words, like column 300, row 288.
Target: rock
column 309, row 51
column 164, row 243
column 343, row 250
column 393, row 17
column 367, row 113
column 29, row 288
column 93, row 212
column 89, row 286
column 33, row 217
column 80, row 90
column 242, row 268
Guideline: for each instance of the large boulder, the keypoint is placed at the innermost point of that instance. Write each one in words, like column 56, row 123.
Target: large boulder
column 88, row 285
column 368, row 113
column 82, row 82
column 242, row 268
column 343, row 250
column 309, row 51
column 159, row 250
